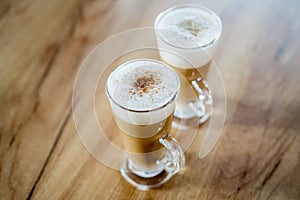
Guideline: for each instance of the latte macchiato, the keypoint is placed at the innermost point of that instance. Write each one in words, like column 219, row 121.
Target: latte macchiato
column 142, row 94
column 191, row 32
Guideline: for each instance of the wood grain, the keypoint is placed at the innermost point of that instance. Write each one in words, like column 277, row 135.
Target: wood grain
column 44, row 42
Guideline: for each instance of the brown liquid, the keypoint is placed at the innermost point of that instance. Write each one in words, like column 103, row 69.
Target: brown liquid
column 194, row 73
column 142, row 141
column 187, row 92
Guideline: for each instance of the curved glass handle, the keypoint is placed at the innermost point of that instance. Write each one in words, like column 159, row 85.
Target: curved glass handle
column 203, row 107
column 174, row 158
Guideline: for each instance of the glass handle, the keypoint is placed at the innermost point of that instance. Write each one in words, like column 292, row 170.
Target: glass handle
column 174, row 158
column 203, row 107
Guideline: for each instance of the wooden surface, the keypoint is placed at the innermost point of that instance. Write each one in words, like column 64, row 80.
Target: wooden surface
column 42, row 44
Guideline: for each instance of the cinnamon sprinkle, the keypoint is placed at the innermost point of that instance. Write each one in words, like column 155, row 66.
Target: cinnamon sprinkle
column 144, row 84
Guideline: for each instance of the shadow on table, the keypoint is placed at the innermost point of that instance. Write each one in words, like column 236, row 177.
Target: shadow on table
column 228, row 176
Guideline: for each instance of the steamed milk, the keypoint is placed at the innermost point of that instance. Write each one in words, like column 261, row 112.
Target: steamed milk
column 189, row 32
column 142, row 93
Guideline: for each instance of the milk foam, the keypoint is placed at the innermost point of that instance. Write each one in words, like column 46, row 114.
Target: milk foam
column 190, row 31
column 142, row 85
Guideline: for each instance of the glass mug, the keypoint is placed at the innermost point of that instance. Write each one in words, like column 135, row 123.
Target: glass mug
column 192, row 32
column 142, row 94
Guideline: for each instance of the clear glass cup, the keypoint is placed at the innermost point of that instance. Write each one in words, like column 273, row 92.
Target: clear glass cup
column 191, row 31
column 135, row 90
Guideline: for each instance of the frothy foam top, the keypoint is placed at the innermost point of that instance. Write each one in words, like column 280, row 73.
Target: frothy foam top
column 191, row 27
column 142, row 85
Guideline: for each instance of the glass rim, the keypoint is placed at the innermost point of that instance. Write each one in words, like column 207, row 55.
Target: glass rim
column 163, row 13
column 172, row 99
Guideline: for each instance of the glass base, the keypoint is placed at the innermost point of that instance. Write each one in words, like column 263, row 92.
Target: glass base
column 201, row 108
column 143, row 180
column 198, row 111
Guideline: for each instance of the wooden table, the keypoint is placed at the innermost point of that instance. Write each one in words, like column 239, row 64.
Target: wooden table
column 43, row 44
